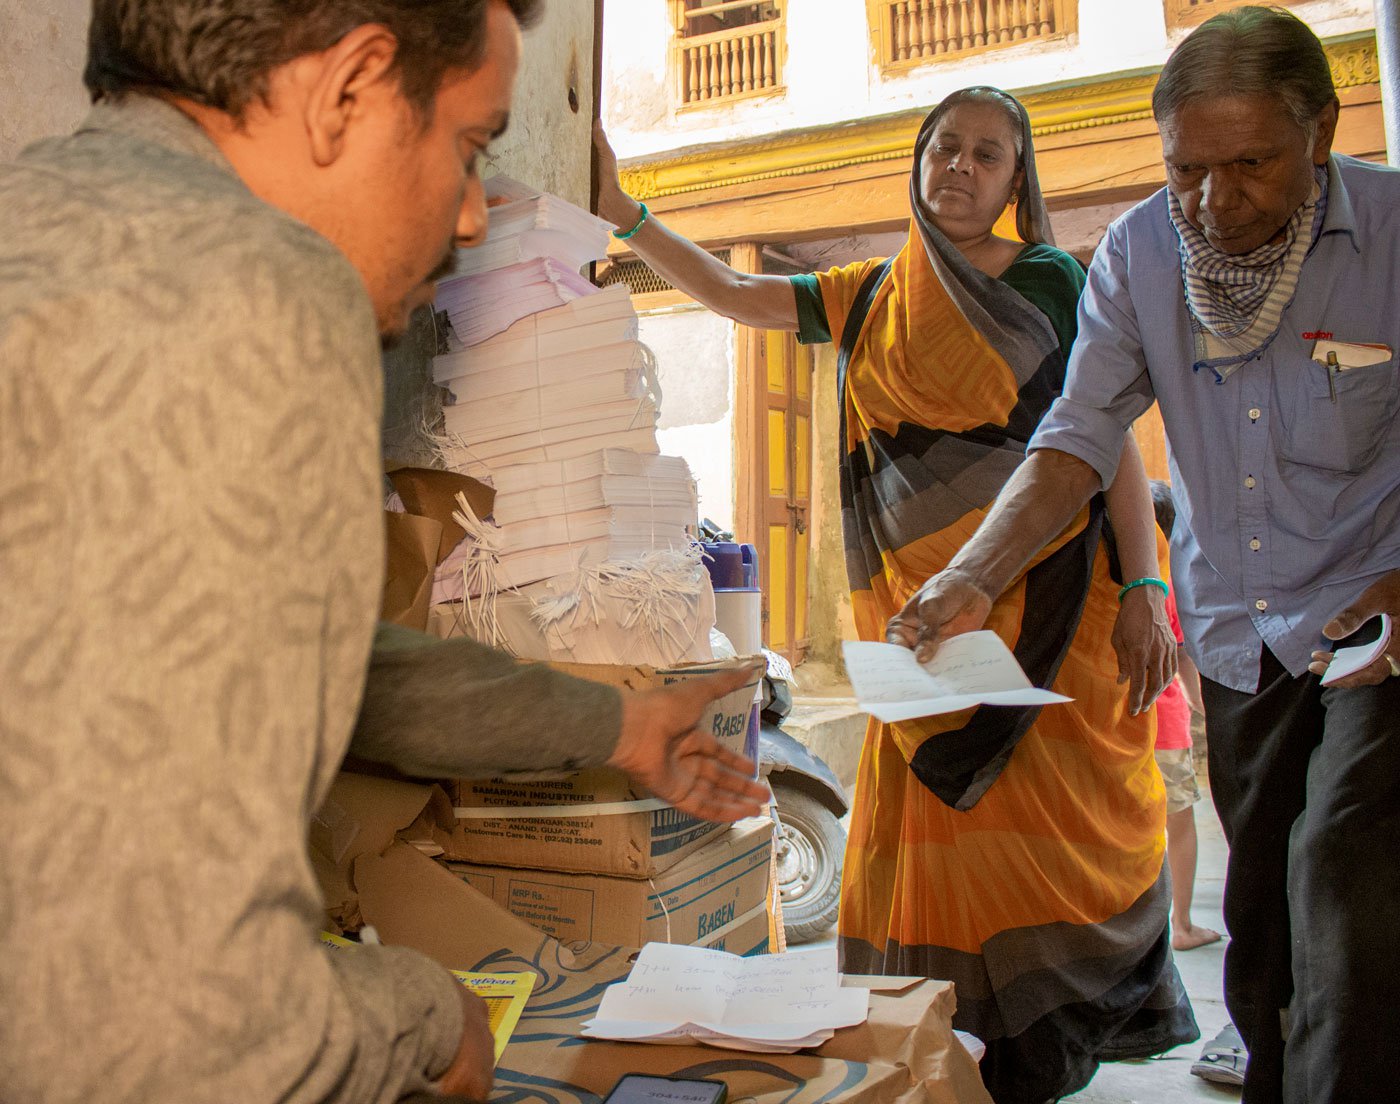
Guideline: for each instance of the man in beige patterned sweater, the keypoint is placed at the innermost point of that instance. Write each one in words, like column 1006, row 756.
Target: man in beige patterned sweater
column 192, row 291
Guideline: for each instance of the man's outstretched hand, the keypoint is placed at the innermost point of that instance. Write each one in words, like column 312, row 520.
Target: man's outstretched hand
column 662, row 750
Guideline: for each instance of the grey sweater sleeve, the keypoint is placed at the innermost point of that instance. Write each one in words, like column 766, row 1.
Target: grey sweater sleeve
column 459, row 708
column 386, row 989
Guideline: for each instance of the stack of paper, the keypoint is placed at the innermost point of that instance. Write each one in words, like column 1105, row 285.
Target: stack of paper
column 578, row 338
column 608, row 477
column 537, row 226
column 535, row 245
column 482, row 305
column 609, row 504
column 552, row 398
column 572, row 373
column 771, row 1003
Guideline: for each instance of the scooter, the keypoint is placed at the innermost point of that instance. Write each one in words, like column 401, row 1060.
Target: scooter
column 809, row 802
column 808, row 799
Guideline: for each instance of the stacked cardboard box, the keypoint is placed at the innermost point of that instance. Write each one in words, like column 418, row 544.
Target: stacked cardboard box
column 586, row 856
column 714, row 897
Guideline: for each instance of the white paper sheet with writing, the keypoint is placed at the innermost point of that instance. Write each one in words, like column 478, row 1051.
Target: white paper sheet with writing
column 771, row 1003
column 976, row 668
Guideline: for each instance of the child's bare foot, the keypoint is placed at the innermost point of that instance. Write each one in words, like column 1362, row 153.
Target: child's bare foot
column 1187, row 937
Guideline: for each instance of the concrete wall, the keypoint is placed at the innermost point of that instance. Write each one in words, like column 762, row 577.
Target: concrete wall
column 42, row 49
column 831, row 74
column 549, row 143
column 695, row 355
column 829, row 618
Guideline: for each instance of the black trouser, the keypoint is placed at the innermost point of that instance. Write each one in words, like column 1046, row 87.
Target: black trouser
column 1307, row 784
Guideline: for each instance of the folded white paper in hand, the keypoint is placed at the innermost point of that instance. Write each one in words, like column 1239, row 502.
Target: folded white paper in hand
column 976, row 668
column 770, row 1003
column 1347, row 661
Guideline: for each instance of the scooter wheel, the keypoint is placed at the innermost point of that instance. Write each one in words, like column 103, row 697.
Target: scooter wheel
column 811, row 850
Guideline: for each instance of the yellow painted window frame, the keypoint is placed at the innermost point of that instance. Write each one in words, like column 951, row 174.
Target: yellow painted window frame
column 1182, row 13
column 679, row 39
column 878, row 18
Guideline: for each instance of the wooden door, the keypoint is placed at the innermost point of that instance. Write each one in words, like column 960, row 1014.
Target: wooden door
column 785, row 491
column 773, row 471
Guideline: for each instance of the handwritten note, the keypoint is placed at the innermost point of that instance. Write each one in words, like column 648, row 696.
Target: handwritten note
column 973, row 669
column 678, row 994
column 1347, row 661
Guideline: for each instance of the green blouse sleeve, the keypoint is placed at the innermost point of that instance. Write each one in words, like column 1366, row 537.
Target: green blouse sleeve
column 1051, row 280
column 812, row 326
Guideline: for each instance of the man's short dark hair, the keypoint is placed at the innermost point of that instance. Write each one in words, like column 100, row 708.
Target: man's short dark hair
column 220, row 52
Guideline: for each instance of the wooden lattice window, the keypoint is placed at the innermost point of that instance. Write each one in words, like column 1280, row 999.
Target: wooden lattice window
column 1189, row 13
column 639, row 277
column 726, row 49
column 914, row 32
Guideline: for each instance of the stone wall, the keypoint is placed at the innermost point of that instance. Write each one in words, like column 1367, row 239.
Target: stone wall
column 42, row 48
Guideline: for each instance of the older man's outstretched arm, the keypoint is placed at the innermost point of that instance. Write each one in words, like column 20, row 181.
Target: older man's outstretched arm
column 1036, row 504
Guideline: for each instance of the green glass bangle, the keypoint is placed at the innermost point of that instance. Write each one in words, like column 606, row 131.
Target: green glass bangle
column 1143, row 582
column 620, row 236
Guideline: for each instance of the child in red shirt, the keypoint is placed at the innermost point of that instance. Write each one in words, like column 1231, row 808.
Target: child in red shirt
column 1174, row 707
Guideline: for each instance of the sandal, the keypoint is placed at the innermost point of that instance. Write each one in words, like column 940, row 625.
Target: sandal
column 1224, row 1059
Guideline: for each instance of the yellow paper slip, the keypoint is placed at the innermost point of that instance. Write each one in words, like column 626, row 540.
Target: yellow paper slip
column 505, row 994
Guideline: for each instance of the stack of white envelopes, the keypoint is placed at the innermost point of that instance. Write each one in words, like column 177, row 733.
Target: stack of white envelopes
column 555, row 385
column 553, row 400
column 770, row 1003
column 535, row 245
column 608, row 505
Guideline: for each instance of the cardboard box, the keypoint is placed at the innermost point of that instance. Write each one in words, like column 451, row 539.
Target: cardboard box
column 588, row 822
column 594, row 822
column 751, row 937
column 728, row 719
column 710, row 898
column 905, row 1053
column 363, row 813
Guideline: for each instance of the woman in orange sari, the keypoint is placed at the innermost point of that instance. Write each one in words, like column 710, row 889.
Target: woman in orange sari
column 1018, row 852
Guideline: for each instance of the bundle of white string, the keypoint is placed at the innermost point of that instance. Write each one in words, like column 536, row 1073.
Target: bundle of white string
column 480, row 573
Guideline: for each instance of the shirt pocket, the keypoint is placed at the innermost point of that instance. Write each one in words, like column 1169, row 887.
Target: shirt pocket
column 1342, row 435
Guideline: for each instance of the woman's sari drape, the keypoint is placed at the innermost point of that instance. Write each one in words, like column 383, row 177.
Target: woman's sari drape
column 1017, row 852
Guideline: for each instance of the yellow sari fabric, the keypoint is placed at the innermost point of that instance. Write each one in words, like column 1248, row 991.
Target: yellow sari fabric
column 1072, row 830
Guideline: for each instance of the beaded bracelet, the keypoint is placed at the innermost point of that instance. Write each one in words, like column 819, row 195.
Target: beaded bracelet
column 620, row 236
column 1143, row 582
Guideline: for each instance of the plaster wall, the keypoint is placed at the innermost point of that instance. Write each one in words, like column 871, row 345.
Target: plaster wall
column 831, row 74
column 695, row 357
column 42, row 50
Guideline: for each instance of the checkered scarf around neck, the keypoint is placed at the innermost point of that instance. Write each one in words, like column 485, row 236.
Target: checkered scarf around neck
column 1237, row 300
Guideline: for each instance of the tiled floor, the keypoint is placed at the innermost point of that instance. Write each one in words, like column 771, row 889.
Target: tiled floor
column 1168, row 1080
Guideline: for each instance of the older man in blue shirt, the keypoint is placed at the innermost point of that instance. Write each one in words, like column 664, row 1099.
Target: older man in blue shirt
column 1254, row 299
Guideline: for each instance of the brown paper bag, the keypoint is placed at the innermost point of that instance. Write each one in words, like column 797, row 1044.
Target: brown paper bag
column 364, row 814
column 430, row 493
column 410, row 561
